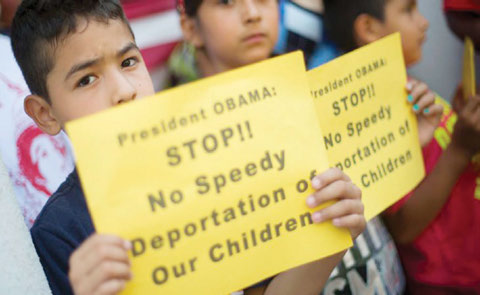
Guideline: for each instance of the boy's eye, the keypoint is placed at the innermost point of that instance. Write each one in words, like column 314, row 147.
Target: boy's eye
column 226, row 2
column 129, row 62
column 86, row 81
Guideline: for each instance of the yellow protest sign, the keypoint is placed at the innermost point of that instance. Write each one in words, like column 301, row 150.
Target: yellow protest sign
column 209, row 180
column 369, row 129
column 469, row 83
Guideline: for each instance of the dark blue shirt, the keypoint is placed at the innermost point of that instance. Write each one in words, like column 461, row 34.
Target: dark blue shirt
column 62, row 225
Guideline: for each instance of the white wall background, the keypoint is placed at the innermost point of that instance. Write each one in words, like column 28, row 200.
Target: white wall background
column 20, row 269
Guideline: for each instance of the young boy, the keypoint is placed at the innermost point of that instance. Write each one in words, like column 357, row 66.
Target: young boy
column 78, row 58
column 436, row 226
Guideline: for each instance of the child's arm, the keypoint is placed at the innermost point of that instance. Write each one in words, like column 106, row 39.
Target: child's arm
column 306, row 279
column 430, row 196
column 423, row 104
column 100, row 266
column 347, row 212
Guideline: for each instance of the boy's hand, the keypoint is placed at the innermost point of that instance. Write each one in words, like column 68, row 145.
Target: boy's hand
column 466, row 134
column 347, row 212
column 100, row 266
column 428, row 113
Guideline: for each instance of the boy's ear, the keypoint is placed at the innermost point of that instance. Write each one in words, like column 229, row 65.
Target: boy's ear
column 40, row 111
column 190, row 31
column 367, row 29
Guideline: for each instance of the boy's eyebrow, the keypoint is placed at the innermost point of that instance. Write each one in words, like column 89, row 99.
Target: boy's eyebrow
column 89, row 63
column 81, row 66
column 127, row 48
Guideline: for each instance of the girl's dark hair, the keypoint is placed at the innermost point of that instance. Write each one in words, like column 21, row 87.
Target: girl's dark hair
column 340, row 16
column 39, row 26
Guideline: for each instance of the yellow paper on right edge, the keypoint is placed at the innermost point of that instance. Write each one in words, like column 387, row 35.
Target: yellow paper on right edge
column 468, row 74
column 368, row 127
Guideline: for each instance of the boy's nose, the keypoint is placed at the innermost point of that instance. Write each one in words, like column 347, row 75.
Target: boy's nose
column 251, row 11
column 124, row 90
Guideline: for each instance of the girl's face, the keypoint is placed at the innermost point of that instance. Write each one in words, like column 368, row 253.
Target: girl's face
column 403, row 16
column 235, row 33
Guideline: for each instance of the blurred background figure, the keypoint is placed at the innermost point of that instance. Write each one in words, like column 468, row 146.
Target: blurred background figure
column 301, row 27
column 155, row 24
column 25, row 149
column 7, row 11
column 463, row 17
column 441, row 65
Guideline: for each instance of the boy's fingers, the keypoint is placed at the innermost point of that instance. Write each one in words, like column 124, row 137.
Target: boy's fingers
column 108, row 271
column 105, row 253
column 80, row 289
column 338, row 210
column 93, row 252
column 337, row 190
column 96, row 241
column 85, row 282
column 111, row 287
column 327, row 177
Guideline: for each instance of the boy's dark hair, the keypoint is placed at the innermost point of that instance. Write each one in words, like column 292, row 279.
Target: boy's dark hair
column 40, row 25
column 340, row 16
column 189, row 7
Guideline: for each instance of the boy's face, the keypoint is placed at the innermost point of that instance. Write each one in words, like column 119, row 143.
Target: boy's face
column 403, row 16
column 95, row 68
column 235, row 33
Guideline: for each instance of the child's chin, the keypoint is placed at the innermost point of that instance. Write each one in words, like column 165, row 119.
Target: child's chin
column 413, row 60
column 257, row 56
